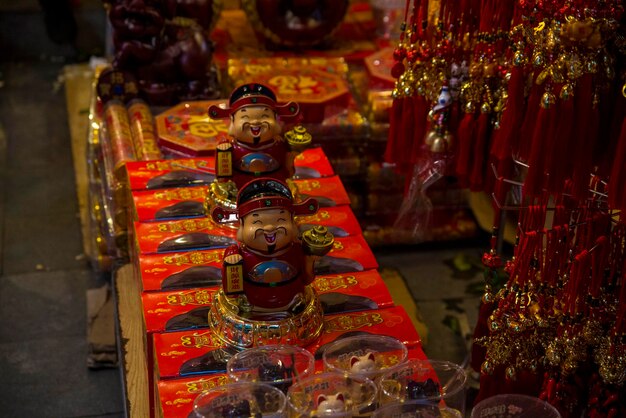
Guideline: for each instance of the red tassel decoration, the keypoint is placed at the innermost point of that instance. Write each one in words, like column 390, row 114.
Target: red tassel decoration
column 521, row 148
column 480, row 152
column 559, row 142
column 534, row 182
column 393, row 150
column 617, row 181
column 585, row 135
column 464, row 137
column 512, row 117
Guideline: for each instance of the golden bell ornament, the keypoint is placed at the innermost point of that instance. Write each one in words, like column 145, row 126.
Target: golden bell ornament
column 567, row 92
column 486, row 367
column 430, row 137
column 510, row 373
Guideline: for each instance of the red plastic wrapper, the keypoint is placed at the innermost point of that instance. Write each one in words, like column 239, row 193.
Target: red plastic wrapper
column 180, row 270
column 120, row 139
column 160, row 174
column 143, row 131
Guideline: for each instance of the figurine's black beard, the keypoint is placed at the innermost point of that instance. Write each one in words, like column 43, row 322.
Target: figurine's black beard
column 256, row 140
column 271, row 248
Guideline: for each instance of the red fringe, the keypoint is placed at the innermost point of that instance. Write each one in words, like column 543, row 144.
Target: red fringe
column 522, row 147
column 395, row 122
column 534, row 182
column 556, row 154
column 584, row 137
column 416, row 150
column 617, row 181
column 407, row 134
column 464, row 137
column 480, row 152
column 512, row 117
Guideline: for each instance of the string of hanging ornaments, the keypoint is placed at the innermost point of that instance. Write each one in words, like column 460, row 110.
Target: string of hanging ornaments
column 526, row 100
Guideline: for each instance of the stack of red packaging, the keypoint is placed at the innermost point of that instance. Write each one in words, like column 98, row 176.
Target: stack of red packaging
column 177, row 261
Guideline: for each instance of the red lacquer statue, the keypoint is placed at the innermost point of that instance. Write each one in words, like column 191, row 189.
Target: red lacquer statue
column 271, row 266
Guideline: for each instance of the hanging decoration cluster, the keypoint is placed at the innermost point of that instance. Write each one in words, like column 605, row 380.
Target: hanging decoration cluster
column 530, row 96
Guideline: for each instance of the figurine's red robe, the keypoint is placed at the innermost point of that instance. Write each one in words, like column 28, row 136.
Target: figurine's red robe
column 270, row 280
column 264, row 160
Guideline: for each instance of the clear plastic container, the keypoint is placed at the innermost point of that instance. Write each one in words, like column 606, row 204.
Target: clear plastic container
column 331, row 395
column 277, row 365
column 364, row 355
column 514, row 406
column 434, row 382
column 241, row 399
column 415, row 409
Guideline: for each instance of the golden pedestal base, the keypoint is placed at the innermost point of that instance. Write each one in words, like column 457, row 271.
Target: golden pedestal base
column 237, row 331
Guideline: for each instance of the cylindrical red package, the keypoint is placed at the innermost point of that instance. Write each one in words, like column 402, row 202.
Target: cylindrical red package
column 143, row 131
column 120, row 137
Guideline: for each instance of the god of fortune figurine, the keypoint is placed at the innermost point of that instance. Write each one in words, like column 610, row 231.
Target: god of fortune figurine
column 266, row 275
column 255, row 147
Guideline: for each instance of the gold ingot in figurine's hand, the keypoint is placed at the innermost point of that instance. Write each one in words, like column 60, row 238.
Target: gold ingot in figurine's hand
column 318, row 240
column 298, row 138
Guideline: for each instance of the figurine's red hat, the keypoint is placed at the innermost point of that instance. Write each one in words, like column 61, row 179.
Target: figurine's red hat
column 253, row 94
column 265, row 193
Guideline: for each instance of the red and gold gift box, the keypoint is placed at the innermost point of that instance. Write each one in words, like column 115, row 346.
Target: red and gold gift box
column 314, row 83
column 379, row 66
column 183, row 172
column 164, row 204
column 348, row 255
column 392, row 322
column 189, row 353
column 177, row 310
column 181, row 235
column 180, row 270
column 350, row 292
column 175, row 397
column 329, row 191
column 187, row 129
column 339, row 220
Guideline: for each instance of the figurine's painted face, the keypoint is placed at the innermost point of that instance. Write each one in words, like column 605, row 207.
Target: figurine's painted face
column 267, row 230
column 254, row 125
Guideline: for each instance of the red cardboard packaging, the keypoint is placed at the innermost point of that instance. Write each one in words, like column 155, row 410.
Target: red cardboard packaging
column 188, row 353
column 175, row 397
column 160, row 174
column 339, row 220
column 181, row 235
column 164, row 204
column 181, row 270
column 349, row 292
column 348, row 255
column 392, row 322
column 177, row 310
column 328, row 191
